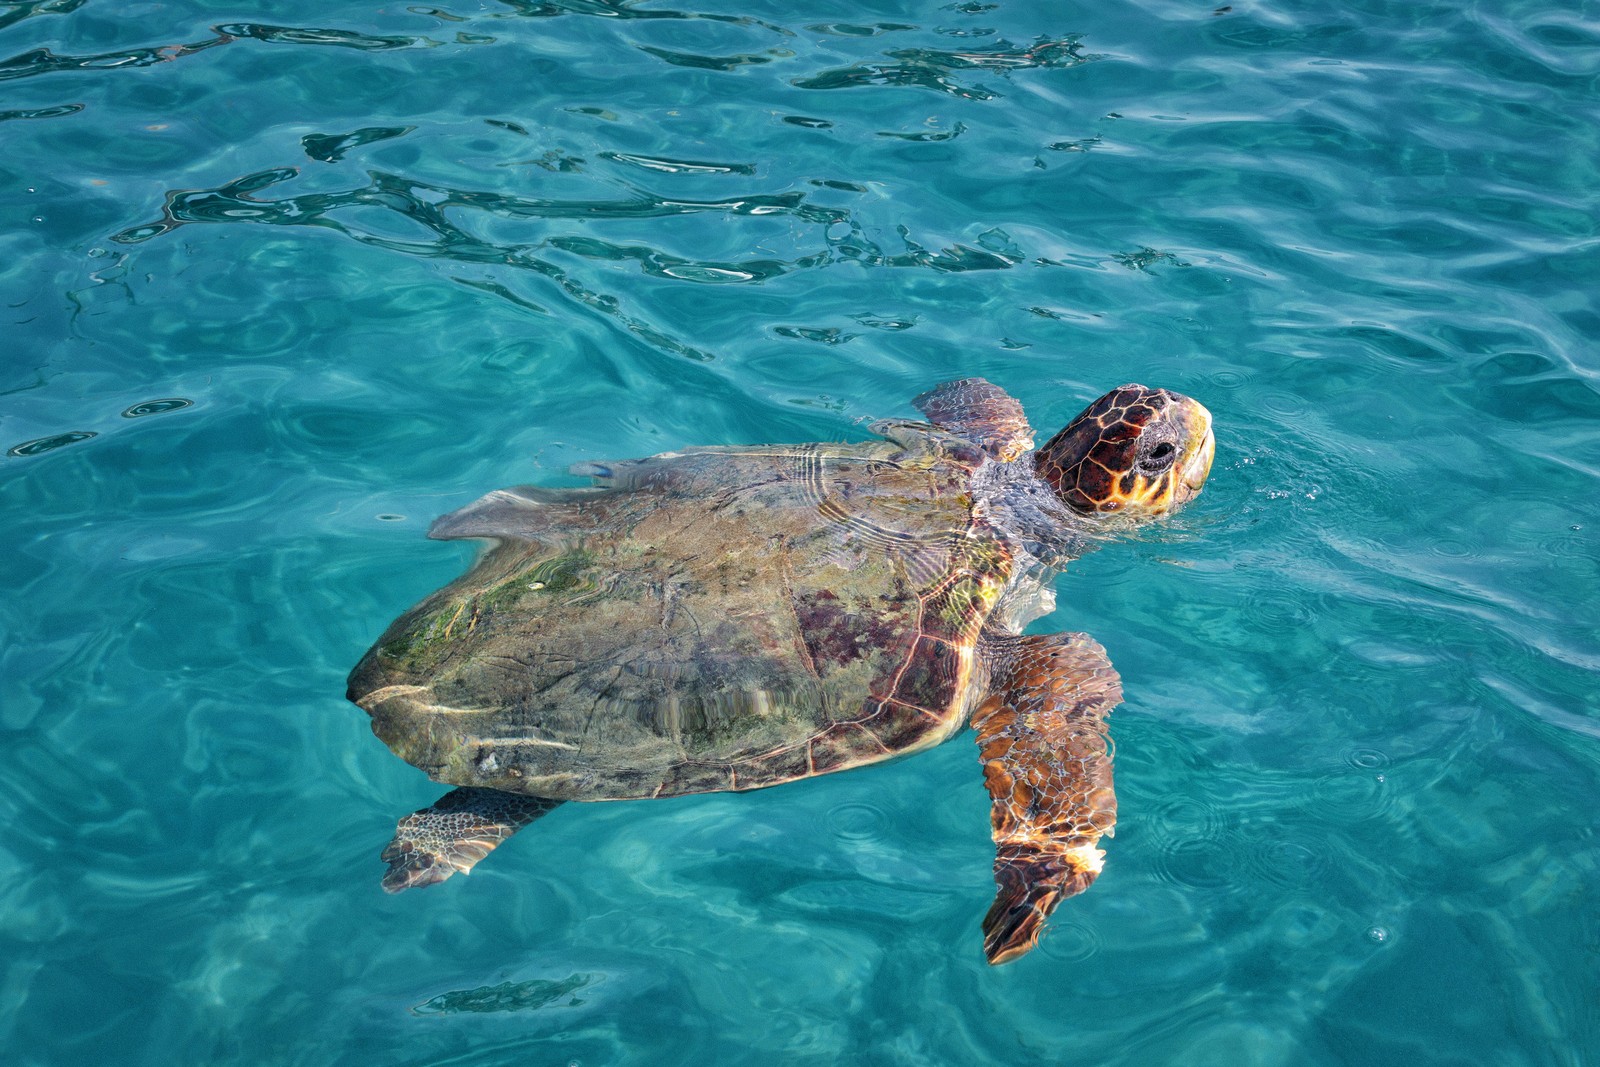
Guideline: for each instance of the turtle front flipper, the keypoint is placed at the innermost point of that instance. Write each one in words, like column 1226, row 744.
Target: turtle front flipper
column 980, row 411
column 1047, row 763
column 461, row 828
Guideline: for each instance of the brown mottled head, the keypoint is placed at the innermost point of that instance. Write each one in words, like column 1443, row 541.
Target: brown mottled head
column 1136, row 452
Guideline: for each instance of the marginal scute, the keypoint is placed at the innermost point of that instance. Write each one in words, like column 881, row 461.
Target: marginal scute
column 692, row 777
column 846, row 745
column 783, row 765
column 901, row 727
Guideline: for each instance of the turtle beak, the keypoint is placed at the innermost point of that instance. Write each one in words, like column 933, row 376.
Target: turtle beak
column 1196, row 463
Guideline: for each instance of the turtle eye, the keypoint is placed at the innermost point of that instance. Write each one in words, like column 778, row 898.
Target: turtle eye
column 1160, row 458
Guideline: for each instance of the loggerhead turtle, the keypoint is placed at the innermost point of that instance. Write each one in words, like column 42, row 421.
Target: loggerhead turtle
column 735, row 618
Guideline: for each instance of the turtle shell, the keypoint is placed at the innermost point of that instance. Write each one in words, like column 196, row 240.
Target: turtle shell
column 700, row 621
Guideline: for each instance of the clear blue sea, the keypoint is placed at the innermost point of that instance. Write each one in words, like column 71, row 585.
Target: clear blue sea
column 281, row 282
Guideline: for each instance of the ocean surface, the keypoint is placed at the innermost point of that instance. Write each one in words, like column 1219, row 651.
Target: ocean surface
column 280, row 283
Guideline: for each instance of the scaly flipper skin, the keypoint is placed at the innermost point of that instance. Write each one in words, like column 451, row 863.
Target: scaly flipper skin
column 982, row 412
column 1047, row 763
column 461, row 828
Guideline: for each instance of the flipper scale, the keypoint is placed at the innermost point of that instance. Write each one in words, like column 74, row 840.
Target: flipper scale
column 452, row 835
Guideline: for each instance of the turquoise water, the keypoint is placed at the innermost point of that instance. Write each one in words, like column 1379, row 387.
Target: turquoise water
column 283, row 282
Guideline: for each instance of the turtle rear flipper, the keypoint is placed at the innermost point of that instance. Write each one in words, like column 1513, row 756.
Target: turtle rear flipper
column 461, row 828
column 1047, row 765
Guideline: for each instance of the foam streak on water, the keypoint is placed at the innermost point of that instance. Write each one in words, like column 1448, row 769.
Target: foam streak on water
column 284, row 282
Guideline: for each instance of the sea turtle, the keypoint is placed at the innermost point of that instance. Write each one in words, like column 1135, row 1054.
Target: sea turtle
column 735, row 618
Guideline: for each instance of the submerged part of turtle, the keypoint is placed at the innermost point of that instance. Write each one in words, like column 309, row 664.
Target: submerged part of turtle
column 736, row 618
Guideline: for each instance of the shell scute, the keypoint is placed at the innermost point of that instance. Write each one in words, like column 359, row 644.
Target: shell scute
column 933, row 676
column 847, row 744
column 900, row 727
column 839, row 631
column 955, row 611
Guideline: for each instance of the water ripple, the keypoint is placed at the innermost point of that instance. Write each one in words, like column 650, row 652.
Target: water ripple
column 839, row 237
column 1288, row 863
column 156, row 407
column 678, row 166
column 625, row 10
column 24, row 9
column 1344, row 798
column 929, row 136
column 1070, row 941
column 718, row 63
column 45, row 61
column 857, row 821
column 1196, row 843
column 40, row 445
column 331, row 147
column 425, row 202
column 365, row 42
column 531, row 995
column 41, row 112
column 929, row 68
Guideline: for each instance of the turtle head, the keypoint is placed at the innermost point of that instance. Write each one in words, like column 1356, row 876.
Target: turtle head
column 1137, row 453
